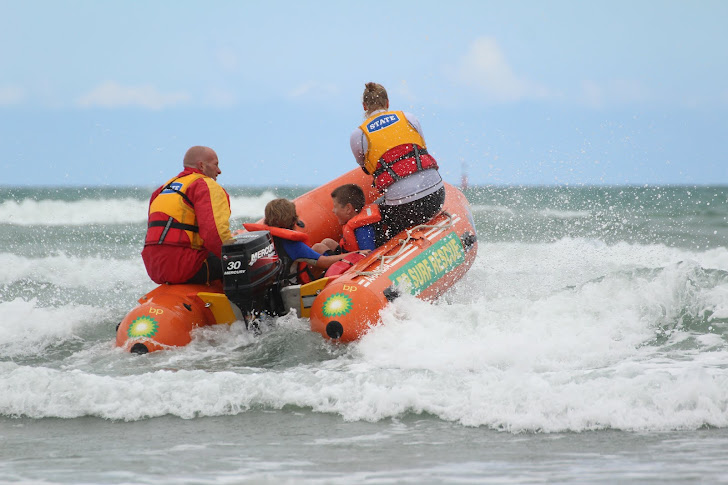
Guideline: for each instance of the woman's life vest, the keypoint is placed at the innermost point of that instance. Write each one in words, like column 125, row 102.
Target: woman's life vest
column 296, row 272
column 172, row 218
column 369, row 215
column 394, row 148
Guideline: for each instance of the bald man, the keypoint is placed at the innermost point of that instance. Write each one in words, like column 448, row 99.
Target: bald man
column 189, row 220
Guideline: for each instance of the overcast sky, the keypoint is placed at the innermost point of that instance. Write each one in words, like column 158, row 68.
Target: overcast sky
column 519, row 92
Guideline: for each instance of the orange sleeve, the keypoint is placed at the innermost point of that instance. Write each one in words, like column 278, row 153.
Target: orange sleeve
column 212, row 209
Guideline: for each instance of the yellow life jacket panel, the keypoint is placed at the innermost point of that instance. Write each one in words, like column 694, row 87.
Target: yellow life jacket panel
column 394, row 148
column 172, row 218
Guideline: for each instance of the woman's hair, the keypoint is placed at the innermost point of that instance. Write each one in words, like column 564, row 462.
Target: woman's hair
column 349, row 194
column 374, row 97
column 280, row 213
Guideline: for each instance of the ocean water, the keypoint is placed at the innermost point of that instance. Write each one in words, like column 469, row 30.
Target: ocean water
column 587, row 344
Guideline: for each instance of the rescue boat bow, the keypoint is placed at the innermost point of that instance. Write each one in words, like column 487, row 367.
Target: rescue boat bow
column 425, row 261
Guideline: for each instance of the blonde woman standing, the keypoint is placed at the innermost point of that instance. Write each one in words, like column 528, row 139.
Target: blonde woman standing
column 389, row 146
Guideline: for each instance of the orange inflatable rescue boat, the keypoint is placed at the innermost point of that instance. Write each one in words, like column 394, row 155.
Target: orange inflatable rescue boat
column 425, row 261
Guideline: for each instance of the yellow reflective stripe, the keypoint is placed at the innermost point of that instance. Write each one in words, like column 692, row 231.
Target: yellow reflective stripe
column 220, row 209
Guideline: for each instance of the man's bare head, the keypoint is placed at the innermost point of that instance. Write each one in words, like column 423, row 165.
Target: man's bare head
column 203, row 159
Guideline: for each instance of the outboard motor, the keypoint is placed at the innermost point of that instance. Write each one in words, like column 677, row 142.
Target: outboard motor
column 251, row 268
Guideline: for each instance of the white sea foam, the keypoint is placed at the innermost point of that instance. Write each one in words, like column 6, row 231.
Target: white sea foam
column 27, row 328
column 250, row 207
column 30, row 212
column 68, row 271
column 635, row 394
column 538, row 269
column 574, row 335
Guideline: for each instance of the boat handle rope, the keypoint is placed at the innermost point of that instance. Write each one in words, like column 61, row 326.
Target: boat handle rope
column 384, row 259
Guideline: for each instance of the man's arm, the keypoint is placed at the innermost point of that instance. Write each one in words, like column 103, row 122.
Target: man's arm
column 357, row 142
column 212, row 208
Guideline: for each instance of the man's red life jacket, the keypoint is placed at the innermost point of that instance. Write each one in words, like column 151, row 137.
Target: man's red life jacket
column 188, row 219
column 172, row 218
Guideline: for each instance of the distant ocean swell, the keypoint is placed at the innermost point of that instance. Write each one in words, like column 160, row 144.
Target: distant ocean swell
column 53, row 212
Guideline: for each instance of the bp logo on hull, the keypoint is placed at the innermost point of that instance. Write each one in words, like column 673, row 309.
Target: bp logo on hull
column 337, row 305
column 142, row 327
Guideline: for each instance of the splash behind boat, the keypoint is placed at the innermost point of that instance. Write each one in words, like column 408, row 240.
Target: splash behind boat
column 425, row 260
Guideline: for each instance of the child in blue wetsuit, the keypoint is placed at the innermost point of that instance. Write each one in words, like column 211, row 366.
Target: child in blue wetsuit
column 359, row 223
column 297, row 256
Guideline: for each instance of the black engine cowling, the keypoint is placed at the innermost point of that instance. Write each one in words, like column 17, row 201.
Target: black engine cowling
column 251, row 268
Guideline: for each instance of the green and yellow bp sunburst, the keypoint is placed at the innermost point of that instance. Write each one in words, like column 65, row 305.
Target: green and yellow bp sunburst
column 337, row 304
column 142, row 327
